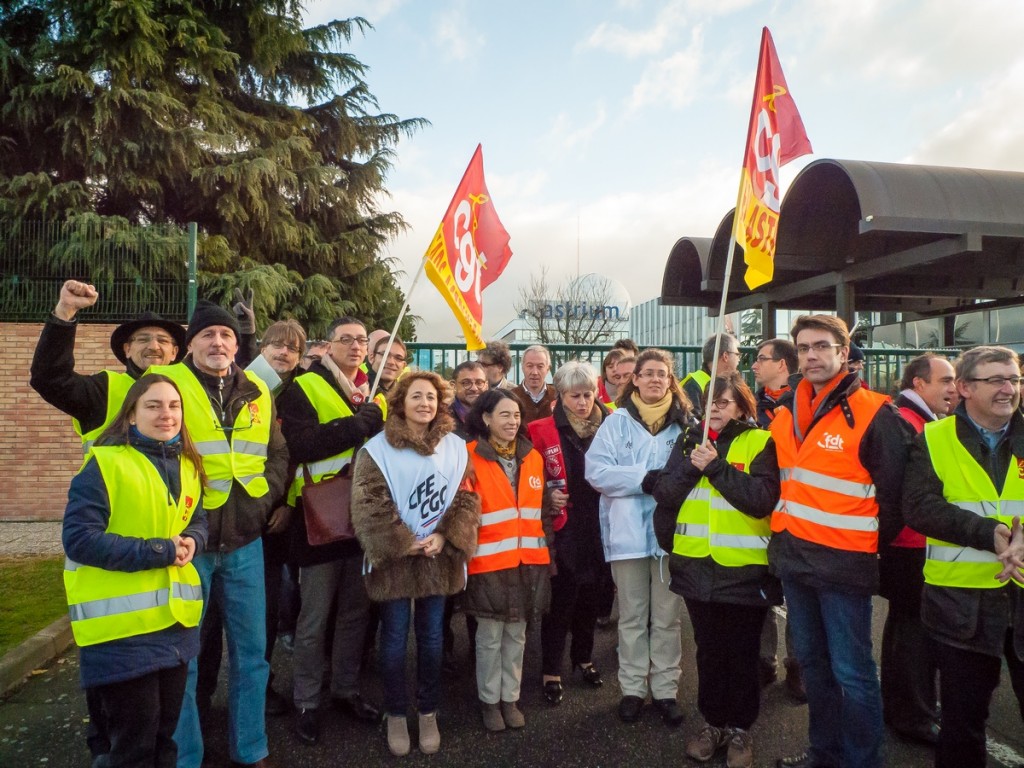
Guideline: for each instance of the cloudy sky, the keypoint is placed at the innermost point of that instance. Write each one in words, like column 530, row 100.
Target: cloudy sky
column 611, row 128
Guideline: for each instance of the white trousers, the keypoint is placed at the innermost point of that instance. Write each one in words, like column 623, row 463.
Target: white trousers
column 650, row 617
column 499, row 659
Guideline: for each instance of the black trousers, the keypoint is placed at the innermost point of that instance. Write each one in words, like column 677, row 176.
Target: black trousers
column 908, row 671
column 728, row 640
column 140, row 716
column 574, row 609
column 966, row 683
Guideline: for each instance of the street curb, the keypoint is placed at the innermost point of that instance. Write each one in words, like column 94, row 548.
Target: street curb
column 18, row 663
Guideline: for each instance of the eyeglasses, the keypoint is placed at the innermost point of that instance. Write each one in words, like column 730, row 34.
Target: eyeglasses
column 348, row 341
column 467, row 383
column 767, row 359
column 998, row 381
column 145, row 338
column 232, row 428
column 654, row 374
column 818, row 346
column 289, row 347
column 397, row 357
column 722, row 403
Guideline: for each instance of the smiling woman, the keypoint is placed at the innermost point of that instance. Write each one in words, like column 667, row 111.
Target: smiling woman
column 418, row 528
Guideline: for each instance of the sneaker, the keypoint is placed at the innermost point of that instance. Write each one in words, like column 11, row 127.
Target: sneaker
column 512, row 715
column 493, row 721
column 398, row 736
column 741, row 750
column 430, row 737
column 706, row 743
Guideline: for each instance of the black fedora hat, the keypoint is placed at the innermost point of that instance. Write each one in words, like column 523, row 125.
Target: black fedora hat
column 124, row 332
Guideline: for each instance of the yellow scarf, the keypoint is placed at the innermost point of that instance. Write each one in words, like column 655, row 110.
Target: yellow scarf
column 653, row 414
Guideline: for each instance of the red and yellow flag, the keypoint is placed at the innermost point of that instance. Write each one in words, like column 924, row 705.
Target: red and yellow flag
column 776, row 136
column 469, row 251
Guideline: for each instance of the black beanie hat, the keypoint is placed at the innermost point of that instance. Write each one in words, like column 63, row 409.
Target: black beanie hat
column 206, row 314
column 855, row 353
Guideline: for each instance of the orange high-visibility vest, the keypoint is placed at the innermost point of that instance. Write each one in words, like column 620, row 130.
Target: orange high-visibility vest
column 511, row 532
column 828, row 497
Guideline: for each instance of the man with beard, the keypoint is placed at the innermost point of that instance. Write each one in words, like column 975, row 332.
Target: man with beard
column 470, row 382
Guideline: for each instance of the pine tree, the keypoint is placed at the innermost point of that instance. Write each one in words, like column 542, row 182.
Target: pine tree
column 224, row 112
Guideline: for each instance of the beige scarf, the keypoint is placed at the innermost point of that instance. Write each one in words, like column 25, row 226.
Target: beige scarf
column 585, row 428
column 653, row 414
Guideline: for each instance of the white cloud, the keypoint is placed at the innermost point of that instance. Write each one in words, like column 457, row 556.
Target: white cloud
column 985, row 132
column 457, row 38
column 566, row 135
column 673, row 80
column 615, row 38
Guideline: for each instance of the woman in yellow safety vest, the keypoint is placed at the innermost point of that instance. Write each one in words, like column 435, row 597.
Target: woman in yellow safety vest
column 509, row 584
column 714, row 505
column 133, row 523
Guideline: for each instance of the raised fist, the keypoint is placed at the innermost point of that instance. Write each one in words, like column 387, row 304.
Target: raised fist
column 73, row 297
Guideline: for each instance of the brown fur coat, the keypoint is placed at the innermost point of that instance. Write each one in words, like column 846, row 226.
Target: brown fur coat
column 393, row 574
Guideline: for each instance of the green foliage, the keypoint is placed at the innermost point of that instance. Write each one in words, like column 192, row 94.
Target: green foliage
column 223, row 112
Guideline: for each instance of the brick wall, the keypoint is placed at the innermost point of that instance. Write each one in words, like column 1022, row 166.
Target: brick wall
column 39, row 451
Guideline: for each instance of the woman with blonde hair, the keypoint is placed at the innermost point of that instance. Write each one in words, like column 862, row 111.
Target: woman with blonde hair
column 630, row 448
column 418, row 529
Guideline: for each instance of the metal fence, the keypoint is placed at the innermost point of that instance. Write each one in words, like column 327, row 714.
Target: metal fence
column 134, row 268
column 882, row 370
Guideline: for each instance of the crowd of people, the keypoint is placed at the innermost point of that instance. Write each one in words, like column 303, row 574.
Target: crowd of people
column 198, row 517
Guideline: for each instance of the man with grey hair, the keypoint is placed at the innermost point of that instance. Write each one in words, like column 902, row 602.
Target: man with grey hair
column 964, row 490
column 536, row 397
column 728, row 361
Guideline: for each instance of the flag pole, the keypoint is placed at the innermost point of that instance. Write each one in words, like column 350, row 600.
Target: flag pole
column 398, row 322
column 720, row 328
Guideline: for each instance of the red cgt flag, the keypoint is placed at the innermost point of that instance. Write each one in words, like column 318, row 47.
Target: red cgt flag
column 469, row 251
column 776, row 136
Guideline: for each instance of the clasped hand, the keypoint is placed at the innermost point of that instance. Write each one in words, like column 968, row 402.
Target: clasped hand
column 185, row 550
column 431, row 546
column 1009, row 547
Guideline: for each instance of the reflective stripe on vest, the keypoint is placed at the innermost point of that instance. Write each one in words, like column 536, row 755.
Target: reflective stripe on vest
column 966, row 484
column 243, row 457
column 329, row 405
column 108, row 605
column 118, row 385
column 511, row 532
column 828, row 497
column 709, row 526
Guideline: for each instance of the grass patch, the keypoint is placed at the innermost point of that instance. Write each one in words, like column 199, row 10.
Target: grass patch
column 31, row 596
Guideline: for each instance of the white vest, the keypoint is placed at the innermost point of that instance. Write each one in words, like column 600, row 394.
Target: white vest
column 422, row 486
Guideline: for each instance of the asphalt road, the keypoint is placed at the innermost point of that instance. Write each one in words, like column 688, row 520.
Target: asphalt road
column 43, row 724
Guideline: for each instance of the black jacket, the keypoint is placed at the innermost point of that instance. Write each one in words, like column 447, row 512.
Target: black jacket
column 883, row 452
column 309, row 440
column 578, row 548
column 754, row 494
column 972, row 619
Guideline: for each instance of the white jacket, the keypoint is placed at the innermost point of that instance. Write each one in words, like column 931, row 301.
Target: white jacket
column 622, row 452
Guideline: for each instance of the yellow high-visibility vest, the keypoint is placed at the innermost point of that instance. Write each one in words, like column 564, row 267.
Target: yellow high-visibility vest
column 109, row 605
column 238, row 453
column 329, row 405
column 967, row 485
column 707, row 524
column 118, row 385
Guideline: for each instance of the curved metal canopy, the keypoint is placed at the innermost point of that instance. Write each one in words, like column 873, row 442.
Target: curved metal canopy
column 867, row 236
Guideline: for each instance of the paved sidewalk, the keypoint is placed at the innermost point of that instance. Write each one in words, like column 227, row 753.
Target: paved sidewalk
column 30, row 539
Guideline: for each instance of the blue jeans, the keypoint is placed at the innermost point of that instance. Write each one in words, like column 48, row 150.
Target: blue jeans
column 394, row 632
column 832, row 638
column 236, row 580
